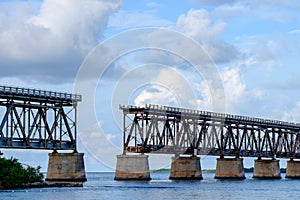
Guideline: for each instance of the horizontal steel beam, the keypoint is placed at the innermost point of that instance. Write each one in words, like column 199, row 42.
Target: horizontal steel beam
column 18, row 143
column 209, row 152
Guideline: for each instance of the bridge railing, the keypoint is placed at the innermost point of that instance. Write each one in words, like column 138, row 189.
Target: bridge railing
column 221, row 116
column 9, row 90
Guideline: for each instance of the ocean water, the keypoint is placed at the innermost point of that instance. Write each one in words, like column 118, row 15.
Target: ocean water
column 102, row 186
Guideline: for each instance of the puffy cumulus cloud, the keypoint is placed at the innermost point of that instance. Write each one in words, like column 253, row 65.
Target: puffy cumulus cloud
column 198, row 25
column 79, row 24
column 49, row 44
column 156, row 95
column 169, row 87
column 234, row 88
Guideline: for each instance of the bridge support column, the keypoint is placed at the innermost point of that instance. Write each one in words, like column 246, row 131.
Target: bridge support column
column 266, row 169
column 230, row 168
column 132, row 167
column 185, row 168
column 293, row 169
column 66, row 167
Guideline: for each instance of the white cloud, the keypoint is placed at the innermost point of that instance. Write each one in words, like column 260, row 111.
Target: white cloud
column 54, row 39
column 156, row 95
column 296, row 31
column 261, row 52
column 169, row 87
column 132, row 19
column 274, row 10
column 79, row 24
column 292, row 115
column 198, row 25
column 153, row 4
column 234, row 86
column 257, row 93
column 205, row 101
column 213, row 3
column 234, row 89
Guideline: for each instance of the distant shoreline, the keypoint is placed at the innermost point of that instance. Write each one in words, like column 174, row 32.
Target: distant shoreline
column 246, row 170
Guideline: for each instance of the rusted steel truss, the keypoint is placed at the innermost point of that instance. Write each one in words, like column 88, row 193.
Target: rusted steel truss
column 36, row 119
column 167, row 130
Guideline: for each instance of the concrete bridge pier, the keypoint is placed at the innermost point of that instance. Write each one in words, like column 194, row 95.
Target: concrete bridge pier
column 185, row 168
column 132, row 167
column 266, row 169
column 293, row 169
column 66, row 167
column 230, row 168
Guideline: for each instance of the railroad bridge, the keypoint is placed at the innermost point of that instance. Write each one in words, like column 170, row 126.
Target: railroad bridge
column 189, row 133
column 43, row 120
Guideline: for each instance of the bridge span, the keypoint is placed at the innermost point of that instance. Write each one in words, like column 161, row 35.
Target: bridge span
column 45, row 120
column 161, row 129
column 168, row 130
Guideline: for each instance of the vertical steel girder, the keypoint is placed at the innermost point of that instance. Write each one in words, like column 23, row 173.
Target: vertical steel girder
column 148, row 131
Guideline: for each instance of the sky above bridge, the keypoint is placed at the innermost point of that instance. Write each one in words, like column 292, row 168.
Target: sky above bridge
column 253, row 49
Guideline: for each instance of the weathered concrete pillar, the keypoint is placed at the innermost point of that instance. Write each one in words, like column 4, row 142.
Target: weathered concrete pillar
column 293, row 169
column 266, row 169
column 230, row 168
column 185, row 168
column 132, row 167
column 66, row 167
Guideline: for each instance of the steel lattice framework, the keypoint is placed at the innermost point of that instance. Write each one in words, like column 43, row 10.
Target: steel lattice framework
column 168, row 130
column 37, row 119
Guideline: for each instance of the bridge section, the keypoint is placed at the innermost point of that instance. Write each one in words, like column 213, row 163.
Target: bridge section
column 186, row 132
column 37, row 119
column 168, row 130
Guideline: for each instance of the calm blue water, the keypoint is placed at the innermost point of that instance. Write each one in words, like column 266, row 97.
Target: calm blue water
column 102, row 186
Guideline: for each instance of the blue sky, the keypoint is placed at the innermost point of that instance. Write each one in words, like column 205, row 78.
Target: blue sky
column 253, row 45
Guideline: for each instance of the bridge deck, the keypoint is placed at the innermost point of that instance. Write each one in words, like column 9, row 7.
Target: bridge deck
column 19, row 93
column 206, row 115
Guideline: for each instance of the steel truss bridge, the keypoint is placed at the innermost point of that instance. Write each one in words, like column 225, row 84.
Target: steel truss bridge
column 169, row 130
column 37, row 119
